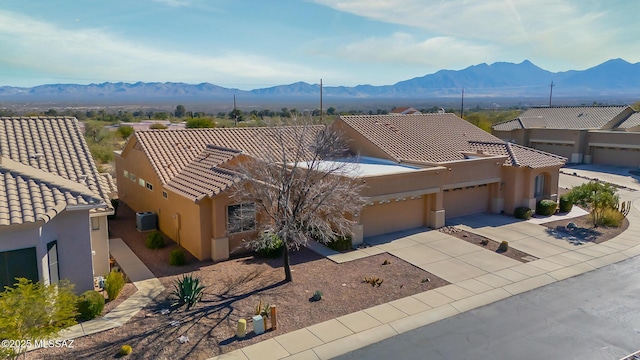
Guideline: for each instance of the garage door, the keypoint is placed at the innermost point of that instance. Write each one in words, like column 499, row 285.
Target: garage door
column 466, row 201
column 392, row 216
column 559, row 149
column 615, row 156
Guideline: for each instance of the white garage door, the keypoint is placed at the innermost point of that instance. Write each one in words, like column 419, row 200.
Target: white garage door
column 559, row 149
column 466, row 201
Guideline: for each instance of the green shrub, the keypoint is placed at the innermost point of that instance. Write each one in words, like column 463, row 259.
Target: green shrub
column 125, row 350
column 270, row 246
column 546, row 207
column 187, row 291
column 611, row 218
column 523, row 213
column 565, row 203
column 90, row 304
column 504, row 246
column 154, row 240
column 113, row 283
column 177, row 258
column 341, row 243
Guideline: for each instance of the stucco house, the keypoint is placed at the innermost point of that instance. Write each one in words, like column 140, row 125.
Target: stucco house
column 53, row 203
column 419, row 171
column 607, row 135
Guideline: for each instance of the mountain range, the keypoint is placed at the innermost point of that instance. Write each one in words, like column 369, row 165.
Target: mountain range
column 613, row 78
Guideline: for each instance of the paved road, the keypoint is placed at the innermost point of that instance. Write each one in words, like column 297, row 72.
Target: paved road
column 593, row 316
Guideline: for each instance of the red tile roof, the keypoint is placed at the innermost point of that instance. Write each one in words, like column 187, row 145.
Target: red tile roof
column 189, row 161
column 518, row 155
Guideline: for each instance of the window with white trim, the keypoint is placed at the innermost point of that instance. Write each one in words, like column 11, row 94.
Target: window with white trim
column 241, row 217
column 165, row 194
column 149, row 186
column 141, row 182
column 539, row 186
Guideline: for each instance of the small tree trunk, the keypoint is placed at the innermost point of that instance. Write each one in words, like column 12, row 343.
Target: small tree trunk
column 287, row 264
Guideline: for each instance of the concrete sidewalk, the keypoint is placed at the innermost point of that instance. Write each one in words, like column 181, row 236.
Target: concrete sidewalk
column 142, row 278
column 478, row 277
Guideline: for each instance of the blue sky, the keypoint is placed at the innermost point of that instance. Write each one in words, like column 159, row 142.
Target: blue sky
column 260, row 43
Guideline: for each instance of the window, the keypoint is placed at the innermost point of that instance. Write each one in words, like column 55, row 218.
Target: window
column 126, row 174
column 149, row 186
column 132, row 177
column 54, row 270
column 165, row 194
column 241, row 217
column 95, row 223
column 141, row 182
column 18, row 263
column 539, row 186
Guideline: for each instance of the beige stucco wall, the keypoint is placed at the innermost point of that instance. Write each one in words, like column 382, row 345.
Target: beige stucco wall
column 519, row 184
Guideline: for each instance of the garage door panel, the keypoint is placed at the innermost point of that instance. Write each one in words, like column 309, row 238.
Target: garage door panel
column 466, row 201
column 615, row 156
column 392, row 216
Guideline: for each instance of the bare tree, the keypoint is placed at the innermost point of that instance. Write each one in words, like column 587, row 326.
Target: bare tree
column 301, row 187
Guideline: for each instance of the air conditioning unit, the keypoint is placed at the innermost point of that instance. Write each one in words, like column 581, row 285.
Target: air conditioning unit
column 146, row 221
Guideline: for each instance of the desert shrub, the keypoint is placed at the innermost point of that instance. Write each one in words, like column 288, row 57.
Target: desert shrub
column 271, row 246
column 565, row 203
column 504, row 246
column 177, row 258
column 341, row 243
column 154, row 240
column 125, row 350
column 187, row 291
column 523, row 213
column 157, row 126
column 546, row 207
column 611, row 218
column 113, row 284
column 90, row 304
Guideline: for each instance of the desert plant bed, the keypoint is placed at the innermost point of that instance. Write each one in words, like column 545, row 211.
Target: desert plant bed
column 487, row 243
column 585, row 231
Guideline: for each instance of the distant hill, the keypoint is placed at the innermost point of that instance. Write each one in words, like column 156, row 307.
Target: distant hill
column 615, row 77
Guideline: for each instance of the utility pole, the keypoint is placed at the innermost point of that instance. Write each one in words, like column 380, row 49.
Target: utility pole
column 321, row 117
column 551, row 92
column 235, row 113
column 462, row 105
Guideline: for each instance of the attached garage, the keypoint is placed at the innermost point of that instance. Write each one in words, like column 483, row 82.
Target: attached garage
column 615, row 156
column 392, row 216
column 466, row 201
column 559, row 149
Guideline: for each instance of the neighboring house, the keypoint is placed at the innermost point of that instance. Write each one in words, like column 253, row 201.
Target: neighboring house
column 419, row 171
column 584, row 134
column 405, row 111
column 53, row 203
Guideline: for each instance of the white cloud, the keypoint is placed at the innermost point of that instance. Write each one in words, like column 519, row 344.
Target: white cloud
column 174, row 3
column 93, row 54
column 435, row 52
column 555, row 31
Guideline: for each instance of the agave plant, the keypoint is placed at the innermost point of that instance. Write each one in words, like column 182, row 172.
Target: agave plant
column 187, row 291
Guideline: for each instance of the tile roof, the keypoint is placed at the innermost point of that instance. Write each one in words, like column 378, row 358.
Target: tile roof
column 30, row 194
column 518, row 155
column 185, row 160
column 631, row 121
column 49, row 153
column 570, row 117
column 432, row 138
column 203, row 176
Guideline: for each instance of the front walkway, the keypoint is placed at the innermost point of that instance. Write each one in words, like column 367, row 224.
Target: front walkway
column 478, row 276
column 148, row 288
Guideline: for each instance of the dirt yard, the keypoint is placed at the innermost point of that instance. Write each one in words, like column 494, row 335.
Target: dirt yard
column 233, row 290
